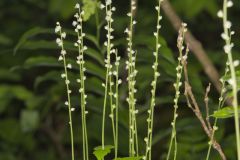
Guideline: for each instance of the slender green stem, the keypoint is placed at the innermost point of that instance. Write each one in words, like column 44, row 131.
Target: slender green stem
column 181, row 59
column 80, row 61
column 228, row 51
column 117, row 82
column 60, row 43
column 150, row 120
column 108, row 81
column 133, row 138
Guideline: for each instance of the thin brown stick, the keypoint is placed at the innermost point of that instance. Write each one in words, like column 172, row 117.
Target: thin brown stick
column 206, row 100
column 194, row 45
column 192, row 103
column 196, row 110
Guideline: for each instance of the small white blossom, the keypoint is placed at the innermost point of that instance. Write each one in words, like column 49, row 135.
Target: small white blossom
column 236, row 63
column 77, row 6
column 108, row 2
column 229, row 3
column 228, row 24
column 102, row 6
column 220, row 13
column 228, row 48
column 57, row 29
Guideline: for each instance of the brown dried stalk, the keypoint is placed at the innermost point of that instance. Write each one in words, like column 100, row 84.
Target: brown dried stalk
column 191, row 100
column 194, row 45
column 192, row 103
column 206, row 100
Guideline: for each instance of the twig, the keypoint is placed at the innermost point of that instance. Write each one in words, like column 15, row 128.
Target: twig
column 206, row 100
column 192, row 103
column 194, row 45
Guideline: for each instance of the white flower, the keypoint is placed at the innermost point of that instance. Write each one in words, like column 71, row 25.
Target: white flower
column 74, row 23
column 58, row 40
column 60, row 58
column 236, row 63
column 113, row 8
column 119, row 81
column 220, row 13
column 77, row 6
column 228, row 24
column 230, row 81
column 102, row 6
column 57, row 29
column 63, row 35
column 67, row 81
column 126, row 30
column 224, row 36
column 229, row 3
column 69, row 66
column 108, row 2
column 63, row 75
column 63, row 52
column 228, row 48
column 81, row 90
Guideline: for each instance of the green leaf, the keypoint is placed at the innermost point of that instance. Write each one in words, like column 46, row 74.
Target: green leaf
column 29, row 120
column 30, row 33
column 89, row 7
column 101, row 153
column 62, row 7
column 225, row 112
column 43, row 44
column 44, row 61
column 194, row 7
column 18, row 92
column 129, row 158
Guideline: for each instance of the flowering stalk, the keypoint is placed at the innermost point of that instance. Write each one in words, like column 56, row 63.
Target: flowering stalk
column 220, row 105
column 132, row 72
column 62, row 57
column 150, row 119
column 226, row 35
column 117, row 83
column 108, row 80
column 177, row 86
column 78, row 24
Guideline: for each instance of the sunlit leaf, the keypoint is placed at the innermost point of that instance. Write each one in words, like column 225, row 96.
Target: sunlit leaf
column 225, row 112
column 100, row 153
column 129, row 158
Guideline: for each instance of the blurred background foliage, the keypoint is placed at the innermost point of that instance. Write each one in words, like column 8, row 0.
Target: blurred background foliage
column 33, row 119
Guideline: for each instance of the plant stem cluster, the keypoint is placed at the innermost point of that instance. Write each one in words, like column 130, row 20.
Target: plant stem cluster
column 226, row 35
column 112, row 80
column 150, row 120
column 62, row 57
column 132, row 72
column 177, row 85
column 78, row 24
